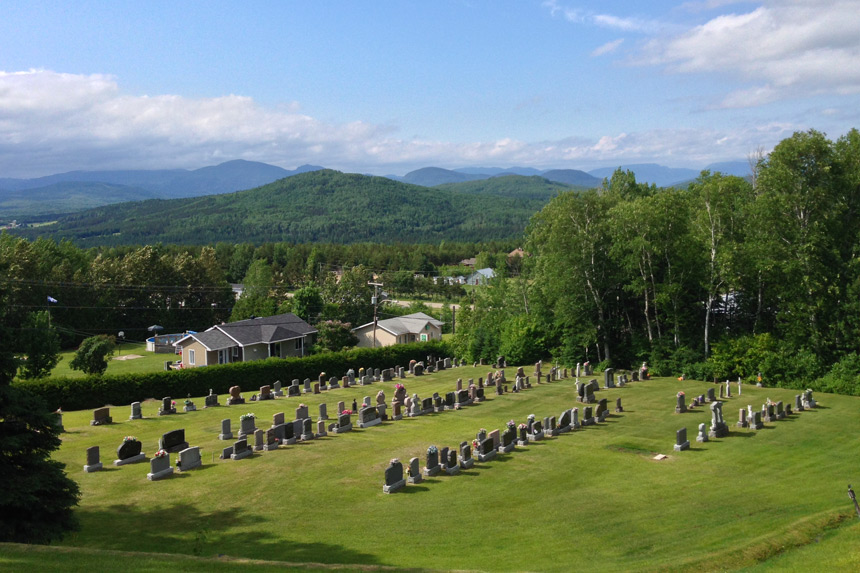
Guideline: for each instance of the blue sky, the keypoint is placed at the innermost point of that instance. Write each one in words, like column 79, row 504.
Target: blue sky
column 389, row 86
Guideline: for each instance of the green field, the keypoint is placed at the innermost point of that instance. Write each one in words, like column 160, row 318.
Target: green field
column 591, row 499
column 121, row 362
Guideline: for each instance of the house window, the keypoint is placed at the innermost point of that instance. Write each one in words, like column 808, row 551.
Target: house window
column 222, row 356
column 191, row 356
column 423, row 337
column 275, row 349
column 298, row 343
column 235, row 352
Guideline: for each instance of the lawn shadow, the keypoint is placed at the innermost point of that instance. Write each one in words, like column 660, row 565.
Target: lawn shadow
column 183, row 529
column 413, row 488
column 740, row 434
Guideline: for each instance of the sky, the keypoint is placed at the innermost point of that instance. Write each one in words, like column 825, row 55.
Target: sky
column 388, row 86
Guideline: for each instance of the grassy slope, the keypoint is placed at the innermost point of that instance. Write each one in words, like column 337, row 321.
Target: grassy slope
column 591, row 498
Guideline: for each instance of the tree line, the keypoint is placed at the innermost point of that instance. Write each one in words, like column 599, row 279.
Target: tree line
column 728, row 277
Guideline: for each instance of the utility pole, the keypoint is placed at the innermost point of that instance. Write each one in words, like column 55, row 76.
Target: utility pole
column 453, row 319
column 375, row 301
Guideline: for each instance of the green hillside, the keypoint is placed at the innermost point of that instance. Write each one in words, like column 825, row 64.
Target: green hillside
column 65, row 197
column 319, row 206
column 512, row 186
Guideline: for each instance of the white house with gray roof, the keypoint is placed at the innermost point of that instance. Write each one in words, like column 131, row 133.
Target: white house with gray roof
column 415, row 327
column 281, row 336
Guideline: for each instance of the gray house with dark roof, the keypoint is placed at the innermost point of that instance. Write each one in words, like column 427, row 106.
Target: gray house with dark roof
column 415, row 327
column 281, row 336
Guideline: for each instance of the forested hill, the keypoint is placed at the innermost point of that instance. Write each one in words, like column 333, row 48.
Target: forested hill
column 319, row 206
column 513, row 186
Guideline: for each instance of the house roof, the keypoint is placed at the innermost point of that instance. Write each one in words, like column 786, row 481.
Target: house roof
column 408, row 324
column 264, row 330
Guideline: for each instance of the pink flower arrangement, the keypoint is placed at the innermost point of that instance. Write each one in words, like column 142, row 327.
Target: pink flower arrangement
column 161, row 454
column 347, row 412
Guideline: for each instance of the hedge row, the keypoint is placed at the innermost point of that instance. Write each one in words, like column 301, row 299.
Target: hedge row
column 97, row 391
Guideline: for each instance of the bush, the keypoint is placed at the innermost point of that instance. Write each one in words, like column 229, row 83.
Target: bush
column 843, row 378
column 96, row 391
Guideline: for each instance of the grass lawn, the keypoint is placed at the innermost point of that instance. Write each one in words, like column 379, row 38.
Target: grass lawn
column 120, row 363
column 590, row 499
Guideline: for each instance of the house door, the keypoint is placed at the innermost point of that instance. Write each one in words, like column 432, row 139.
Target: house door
column 222, row 357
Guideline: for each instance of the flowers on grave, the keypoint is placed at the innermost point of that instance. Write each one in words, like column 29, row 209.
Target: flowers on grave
column 432, row 450
column 531, row 417
column 475, row 445
column 457, row 406
column 247, row 416
column 511, row 424
column 482, row 431
column 302, row 406
column 347, row 412
column 59, row 411
column 129, row 439
column 173, row 403
column 680, row 394
column 161, row 454
column 398, row 386
column 188, row 401
column 523, row 427
column 395, row 461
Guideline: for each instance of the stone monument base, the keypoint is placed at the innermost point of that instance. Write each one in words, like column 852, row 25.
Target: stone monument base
column 132, row 460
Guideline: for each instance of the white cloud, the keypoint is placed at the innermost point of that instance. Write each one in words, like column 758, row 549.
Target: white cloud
column 607, row 48
column 578, row 16
column 52, row 122
column 785, row 49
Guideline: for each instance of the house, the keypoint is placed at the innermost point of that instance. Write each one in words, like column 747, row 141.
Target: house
column 415, row 327
column 480, row 277
column 281, row 335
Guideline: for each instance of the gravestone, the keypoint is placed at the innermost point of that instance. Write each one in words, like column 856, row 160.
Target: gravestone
column 323, row 412
column 189, row 406
column 270, row 441
column 574, row 414
column 770, row 415
column 450, row 399
column 101, row 417
column 277, row 389
column 722, row 392
column 587, row 417
column 681, row 441
column 703, row 434
column 618, row 407
column 564, row 421
column 226, row 453
column 316, row 387
column 247, row 425
column 522, row 435
column 159, row 468
column 798, row 403
column 307, row 430
column 333, row 383
column 728, row 389
column 602, row 410
column 129, row 452
column 427, row 406
column 742, row 419
column 321, row 433
column 235, row 396
column 462, row 397
column 711, row 396
column 266, row 393
column 451, row 467
column 240, row 450
column 211, row 400
column 226, row 432
column 167, row 407
column 418, row 370
column 344, row 424
column 188, row 459
column 486, row 451
column 135, row 411
column 536, row 432
column 368, row 417
column 293, row 390
column 302, row 412
column 466, row 460
column 173, row 441
column 680, row 406
column 93, row 464
column 780, row 411
column 608, row 378
column 755, row 421
column 258, row 440
column 634, row 376
column 306, row 386
column 432, row 467
column 278, row 419
column 496, row 437
column 414, row 471
column 509, row 438
column 719, row 428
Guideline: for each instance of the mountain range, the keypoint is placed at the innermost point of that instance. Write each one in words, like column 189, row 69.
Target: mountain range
column 45, row 197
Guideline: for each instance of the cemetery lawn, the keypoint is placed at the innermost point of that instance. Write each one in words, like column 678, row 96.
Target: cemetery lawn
column 589, row 499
